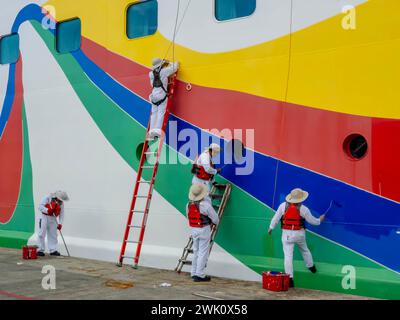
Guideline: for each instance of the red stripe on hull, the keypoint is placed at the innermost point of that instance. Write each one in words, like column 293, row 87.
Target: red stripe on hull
column 11, row 152
column 308, row 137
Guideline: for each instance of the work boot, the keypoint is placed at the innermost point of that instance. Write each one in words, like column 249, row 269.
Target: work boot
column 199, row 279
column 55, row 253
column 291, row 283
column 313, row 269
column 40, row 254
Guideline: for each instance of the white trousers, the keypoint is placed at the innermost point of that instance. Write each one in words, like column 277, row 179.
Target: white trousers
column 157, row 115
column 289, row 239
column 201, row 250
column 47, row 225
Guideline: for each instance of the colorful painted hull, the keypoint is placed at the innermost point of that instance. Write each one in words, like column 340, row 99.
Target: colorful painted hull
column 303, row 84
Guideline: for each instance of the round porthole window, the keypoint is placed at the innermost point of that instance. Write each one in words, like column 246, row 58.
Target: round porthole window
column 355, row 146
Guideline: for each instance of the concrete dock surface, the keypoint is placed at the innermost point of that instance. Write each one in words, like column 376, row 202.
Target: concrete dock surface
column 84, row 279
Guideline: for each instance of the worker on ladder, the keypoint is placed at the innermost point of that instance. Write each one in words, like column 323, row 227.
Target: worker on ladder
column 201, row 215
column 292, row 215
column 203, row 167
column 159, row 75
column 51, row 207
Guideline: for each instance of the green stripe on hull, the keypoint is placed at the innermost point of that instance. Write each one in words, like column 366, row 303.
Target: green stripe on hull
column 243, row 230
column 23, row 219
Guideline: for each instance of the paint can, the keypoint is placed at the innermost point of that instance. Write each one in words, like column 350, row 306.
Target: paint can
column 29, row 252
column 275, row 281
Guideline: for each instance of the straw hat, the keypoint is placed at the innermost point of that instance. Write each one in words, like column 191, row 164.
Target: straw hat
column 157, row 62
column 297, row 196
column 62, row 195
column 197, row 192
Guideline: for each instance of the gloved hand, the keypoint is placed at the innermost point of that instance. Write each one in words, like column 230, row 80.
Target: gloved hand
column 269, row 231
column 219, row 170
column 59, row 226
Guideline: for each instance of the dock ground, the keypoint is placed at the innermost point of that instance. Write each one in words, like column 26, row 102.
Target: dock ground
column 84, row 279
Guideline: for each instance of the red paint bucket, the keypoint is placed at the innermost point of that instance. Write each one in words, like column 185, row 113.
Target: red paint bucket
column 29, row 252
column 275, row 281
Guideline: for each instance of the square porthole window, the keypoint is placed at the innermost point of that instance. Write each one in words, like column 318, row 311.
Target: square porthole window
column 68, row 35
column 142, row 19
column 9, row 48
column 233, row 9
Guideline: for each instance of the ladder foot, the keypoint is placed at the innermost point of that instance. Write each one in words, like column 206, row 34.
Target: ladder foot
column 135, row 266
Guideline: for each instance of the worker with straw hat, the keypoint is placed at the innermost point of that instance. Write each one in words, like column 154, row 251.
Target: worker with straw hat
column 292, row 214
column 201, row 215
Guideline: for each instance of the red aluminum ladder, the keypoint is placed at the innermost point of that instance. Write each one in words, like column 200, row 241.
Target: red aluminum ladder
column 139, row 183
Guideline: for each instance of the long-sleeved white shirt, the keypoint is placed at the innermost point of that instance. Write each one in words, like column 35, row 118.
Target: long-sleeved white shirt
column 204, row 160
column 304, row 212
column 47, row 200
column 206, row 209
column 165, row 73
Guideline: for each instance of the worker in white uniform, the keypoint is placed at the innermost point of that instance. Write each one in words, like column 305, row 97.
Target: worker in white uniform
column 162, row 70
column 51, row 207
column 203, row 167
column 201, row 216
column 292, row 215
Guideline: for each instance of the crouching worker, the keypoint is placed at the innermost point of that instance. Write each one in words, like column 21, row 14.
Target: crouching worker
column 51, row 207
column 203, row 167
column 201, row 215
column 162, row 70
column 292, row 215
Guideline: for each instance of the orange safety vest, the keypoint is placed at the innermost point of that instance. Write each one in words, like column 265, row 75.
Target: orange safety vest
column 196, row 219
column 291, row 219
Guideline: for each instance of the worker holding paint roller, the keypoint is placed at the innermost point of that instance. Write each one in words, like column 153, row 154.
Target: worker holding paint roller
column 203, row 167
column 51, row 207
column 292, row 215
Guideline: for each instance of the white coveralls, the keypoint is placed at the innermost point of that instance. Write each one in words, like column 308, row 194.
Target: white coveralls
column 292, row 237
column 204, row 160
column 157, row 94
column 48, row 224
column 201, row 239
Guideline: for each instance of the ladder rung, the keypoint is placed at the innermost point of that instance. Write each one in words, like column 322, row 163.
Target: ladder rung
column 140, row 196
column 190, row 250
column 220, row 185
column 151, row 152
column 217, row 196
column 133, row 226
column 144, row 182
column 188, row 262
column 139, row 211
column 127, row 257
column 148, row 167
column 132, row 241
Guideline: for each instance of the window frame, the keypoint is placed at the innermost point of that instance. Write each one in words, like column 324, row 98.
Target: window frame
column 56, row 35
column 19, row 47
column 132, row 4
column 233, row 19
